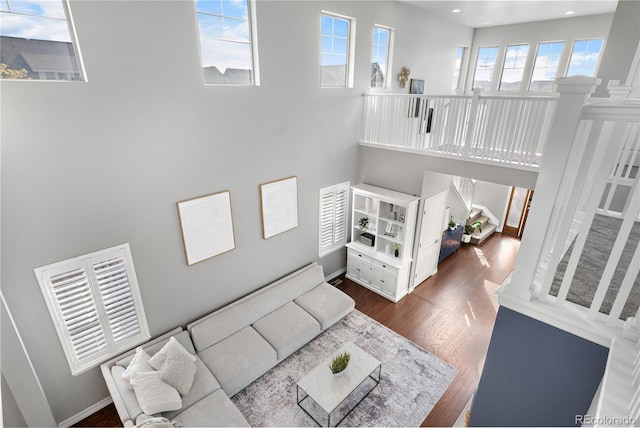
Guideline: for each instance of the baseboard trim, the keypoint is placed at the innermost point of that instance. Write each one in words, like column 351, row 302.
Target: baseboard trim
column 336, row 274
column 86, row 413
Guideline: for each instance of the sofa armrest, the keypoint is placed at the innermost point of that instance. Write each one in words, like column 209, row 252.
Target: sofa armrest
column 105, row 367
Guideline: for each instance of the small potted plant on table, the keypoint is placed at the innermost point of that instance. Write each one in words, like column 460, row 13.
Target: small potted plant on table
column 339, row 363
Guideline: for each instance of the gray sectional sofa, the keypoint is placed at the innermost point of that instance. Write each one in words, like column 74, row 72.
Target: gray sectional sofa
column 237, row 344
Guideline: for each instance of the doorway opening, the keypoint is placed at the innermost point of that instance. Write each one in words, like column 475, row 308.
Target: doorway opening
column 517, row 211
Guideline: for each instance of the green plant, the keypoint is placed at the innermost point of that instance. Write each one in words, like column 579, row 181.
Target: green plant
column 364, row 223
column 340, row 362
column 452, row 223
column 470, row 225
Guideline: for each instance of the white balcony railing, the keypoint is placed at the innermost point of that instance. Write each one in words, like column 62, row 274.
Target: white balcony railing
column 501, row 129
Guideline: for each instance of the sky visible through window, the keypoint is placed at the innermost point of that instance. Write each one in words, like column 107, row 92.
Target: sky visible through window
column 225, row 39
column 379, row 56
column 514, row 62
column 40, row 20
column 458, row 66
column 484, row 67
column 584, row 57
column 546, row 65
column 334, row 48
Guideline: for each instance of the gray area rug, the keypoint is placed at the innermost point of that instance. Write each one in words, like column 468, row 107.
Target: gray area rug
column 412, row 379
column 597, row 249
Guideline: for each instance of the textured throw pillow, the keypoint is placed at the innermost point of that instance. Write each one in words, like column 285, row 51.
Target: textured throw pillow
column 157, row 360
column 178, row 370
column 154, row 395
column 139, row 363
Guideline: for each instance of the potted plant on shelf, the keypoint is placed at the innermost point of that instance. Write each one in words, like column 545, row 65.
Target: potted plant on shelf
column 364, row 224
column 339, row 363
column 452, row 224
column 396, row 250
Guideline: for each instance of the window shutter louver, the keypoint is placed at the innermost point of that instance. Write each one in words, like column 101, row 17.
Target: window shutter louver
column 79, row 316
column 341, row 215
column 334, row 214
column 115, row 290
column 96, row 306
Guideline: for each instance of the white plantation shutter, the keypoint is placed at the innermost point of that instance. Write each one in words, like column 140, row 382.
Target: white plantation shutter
column 334, row 213
column 95, row 305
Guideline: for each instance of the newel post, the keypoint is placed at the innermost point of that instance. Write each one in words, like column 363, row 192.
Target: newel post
column 543, row 214
column 473, row 118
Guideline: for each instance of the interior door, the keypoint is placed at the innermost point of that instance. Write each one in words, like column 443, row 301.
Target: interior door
column 518, row 210
column 430, row 237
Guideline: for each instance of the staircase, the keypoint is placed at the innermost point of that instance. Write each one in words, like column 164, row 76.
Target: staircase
column 488, row 229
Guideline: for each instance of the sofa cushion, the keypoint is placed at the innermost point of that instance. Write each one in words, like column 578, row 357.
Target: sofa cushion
column 153, row 394
column 139, row 363
column 203, row 384
column 126, row 393
column 183, row 337
column 326, row 304
column 239, row 359
column 232, row 318
column 216, row 410
column 287, row 329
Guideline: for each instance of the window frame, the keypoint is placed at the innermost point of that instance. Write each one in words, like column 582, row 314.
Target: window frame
column 335, row 245
column 351, row 44
column 475, row 68
column 389, row 59
column 253, row 45
column 524, row 68
column 558, row 68
column 460, row 81
column 86, row 264
column 571, row 52
column 75, row 44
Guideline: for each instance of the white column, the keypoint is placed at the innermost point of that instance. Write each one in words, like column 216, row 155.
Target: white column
column 573, row 94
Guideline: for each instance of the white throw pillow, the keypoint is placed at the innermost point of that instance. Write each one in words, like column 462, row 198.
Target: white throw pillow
column 157, row 360
column 178, row 370
column 154, row 395
column 139, row 363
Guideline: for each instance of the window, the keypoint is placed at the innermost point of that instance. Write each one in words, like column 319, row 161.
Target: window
column 334, row 213
column 336, row 51
column 584, row 57
column 380, row 56
column 484, row 67
column 227, row 41
column 95, row 305
column 513, row 69
column 37, row 41
column 545, row 67
column 457, row 69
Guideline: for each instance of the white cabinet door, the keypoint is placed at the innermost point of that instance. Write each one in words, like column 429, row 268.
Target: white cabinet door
column 359, row 266
column 385, row 279
column 430, row 237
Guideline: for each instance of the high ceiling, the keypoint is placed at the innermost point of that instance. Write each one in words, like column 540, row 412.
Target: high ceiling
column 489, row 13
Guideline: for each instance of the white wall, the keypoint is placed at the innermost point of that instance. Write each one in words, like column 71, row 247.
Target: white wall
column 494, row 197
column 86, row 166
column 623, row 38
column 567, row 29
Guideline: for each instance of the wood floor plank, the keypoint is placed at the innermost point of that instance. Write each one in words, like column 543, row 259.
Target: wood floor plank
column 450, row 315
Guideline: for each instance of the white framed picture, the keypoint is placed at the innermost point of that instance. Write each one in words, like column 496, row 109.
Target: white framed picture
column 207, row 226
column 279, row 204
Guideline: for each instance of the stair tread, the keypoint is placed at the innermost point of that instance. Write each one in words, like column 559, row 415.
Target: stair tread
column 486, row 230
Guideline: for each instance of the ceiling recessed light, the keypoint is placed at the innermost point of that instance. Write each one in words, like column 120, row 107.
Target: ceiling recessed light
column 570, row 12
column 456, row 11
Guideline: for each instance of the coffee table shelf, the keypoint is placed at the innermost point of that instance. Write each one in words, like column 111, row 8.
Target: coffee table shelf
column 329, row 391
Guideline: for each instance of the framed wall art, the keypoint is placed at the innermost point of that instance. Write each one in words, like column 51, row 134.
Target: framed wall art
column 207, row 226
column 279, row 204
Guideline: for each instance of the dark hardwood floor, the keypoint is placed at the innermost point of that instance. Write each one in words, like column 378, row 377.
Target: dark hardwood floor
column 450, row 314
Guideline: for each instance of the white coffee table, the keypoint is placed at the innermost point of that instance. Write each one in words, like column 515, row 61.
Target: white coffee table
column 329, row 391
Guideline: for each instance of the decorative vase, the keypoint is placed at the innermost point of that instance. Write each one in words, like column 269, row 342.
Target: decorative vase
column 340, row 373
column 396, row 252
